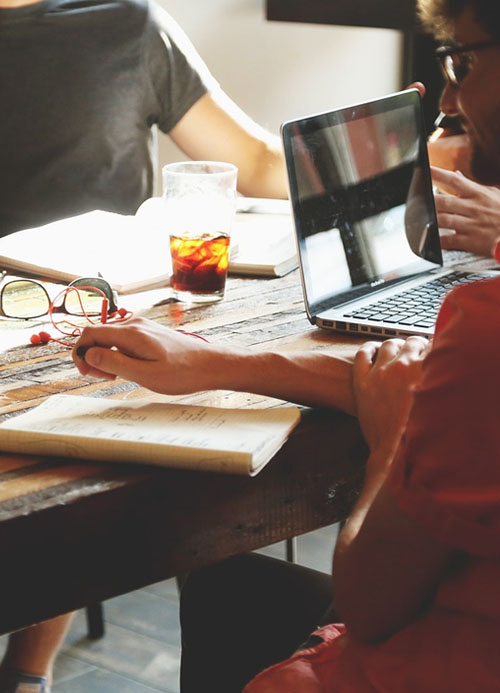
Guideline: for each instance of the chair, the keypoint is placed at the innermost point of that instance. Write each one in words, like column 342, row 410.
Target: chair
column 95, row 612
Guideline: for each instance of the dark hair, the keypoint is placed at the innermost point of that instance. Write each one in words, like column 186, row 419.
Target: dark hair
column 439, row 16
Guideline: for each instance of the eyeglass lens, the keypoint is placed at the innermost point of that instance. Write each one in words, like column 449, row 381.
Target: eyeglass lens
column 85, row 300
column 24, row 299
column 456, row 66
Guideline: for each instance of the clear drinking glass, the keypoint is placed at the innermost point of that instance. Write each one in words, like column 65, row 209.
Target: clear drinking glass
column 199, row 199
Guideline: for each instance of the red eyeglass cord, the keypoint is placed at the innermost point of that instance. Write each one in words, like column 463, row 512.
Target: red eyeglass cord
column 119, row 315
column 44, row 337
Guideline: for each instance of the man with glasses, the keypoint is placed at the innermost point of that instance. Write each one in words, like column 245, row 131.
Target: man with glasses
column 472, row 210
column 417, row 565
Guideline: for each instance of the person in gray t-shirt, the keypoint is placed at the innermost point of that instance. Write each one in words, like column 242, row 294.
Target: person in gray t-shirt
column 83, row 83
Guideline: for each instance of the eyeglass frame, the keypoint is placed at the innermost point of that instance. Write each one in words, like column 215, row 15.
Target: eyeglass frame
column 81, row 283
column 447, row 67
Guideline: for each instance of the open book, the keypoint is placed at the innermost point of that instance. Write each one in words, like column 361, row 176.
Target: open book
column 263, row 238
column 133, row 253
column 263, row 245
column 236, row 441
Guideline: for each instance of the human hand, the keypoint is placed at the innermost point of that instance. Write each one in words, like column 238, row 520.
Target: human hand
column 471, row 210
column 156, row 357
column 419, row 86
column 383, row 377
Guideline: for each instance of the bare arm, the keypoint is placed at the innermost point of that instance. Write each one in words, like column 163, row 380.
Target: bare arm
column 167, row 361
column 216, row 129
column 470, row 209
column 385, row 566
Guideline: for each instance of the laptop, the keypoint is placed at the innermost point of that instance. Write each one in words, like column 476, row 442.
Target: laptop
column 365, row 222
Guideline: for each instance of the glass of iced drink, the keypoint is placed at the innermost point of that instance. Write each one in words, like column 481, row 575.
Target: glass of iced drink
column 199, row 199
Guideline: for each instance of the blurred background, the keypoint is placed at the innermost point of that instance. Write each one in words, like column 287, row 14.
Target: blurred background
column 277, row 71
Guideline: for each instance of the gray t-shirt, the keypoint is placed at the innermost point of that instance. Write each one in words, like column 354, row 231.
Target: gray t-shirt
column 82, row 83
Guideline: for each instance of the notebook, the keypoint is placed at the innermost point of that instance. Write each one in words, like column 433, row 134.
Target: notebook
column 365, row 222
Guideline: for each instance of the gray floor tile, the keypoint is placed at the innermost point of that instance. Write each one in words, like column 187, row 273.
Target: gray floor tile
column 68, row 668
column 127, row 653
column 146, row 613
column 105, row 682
column 166, row 588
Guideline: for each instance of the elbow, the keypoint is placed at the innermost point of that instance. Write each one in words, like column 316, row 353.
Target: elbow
column 369, row 619
column 365, row 627
column 368, row 631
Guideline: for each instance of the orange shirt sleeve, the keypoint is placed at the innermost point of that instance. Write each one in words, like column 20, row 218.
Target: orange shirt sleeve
column 446, row 473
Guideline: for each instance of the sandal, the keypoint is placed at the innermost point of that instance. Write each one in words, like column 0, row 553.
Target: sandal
column 16, row 682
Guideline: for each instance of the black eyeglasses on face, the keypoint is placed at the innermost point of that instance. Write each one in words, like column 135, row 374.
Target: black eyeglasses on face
column 26, row 298
column 456, row 61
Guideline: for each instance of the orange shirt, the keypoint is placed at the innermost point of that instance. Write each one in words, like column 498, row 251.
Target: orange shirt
column 446, row 476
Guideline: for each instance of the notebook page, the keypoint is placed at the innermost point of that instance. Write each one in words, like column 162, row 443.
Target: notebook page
column 231, row 440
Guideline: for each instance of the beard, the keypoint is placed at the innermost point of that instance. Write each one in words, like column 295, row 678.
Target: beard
column 485, row 161
column 485, row 167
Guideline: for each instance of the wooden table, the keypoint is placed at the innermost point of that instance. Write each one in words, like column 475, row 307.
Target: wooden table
column 74, row 533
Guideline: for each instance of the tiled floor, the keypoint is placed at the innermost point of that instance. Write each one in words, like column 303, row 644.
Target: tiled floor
column 140, row 650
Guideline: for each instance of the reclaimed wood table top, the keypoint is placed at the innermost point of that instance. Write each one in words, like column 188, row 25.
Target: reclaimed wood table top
column 74, row 533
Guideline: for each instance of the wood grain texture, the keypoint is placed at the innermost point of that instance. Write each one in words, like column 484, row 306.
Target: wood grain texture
column 102, row 530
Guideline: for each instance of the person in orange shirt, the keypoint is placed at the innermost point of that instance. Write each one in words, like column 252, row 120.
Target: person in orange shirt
column 417, row 565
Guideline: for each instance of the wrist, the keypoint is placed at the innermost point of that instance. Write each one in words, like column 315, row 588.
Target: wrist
column 224, row 368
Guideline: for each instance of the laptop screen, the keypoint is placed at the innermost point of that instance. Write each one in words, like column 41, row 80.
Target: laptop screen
column 362, row 198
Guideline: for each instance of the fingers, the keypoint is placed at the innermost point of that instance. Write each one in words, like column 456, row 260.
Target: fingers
column 454, row 182
column 380, row 354
column 446, row 221
column 128, row 337
column 450, row 204
column 453, row 241
column 365, row 357
column 372, row 353
column 109, row 363
column 105, row 351
column 419, row 86
column 455, row 213
column 414, row 346
column 455, row 222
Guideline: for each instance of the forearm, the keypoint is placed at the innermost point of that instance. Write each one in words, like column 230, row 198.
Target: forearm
column 386, row 567
column 374, row 594
column 307, row 378
column 372, row 485
column 359, row 599
column 167, row 361
column 216, row 128
column 268, row 178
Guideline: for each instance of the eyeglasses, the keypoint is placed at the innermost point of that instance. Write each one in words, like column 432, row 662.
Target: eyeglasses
column 456, row 61
column 25, row 298
column 86, row 297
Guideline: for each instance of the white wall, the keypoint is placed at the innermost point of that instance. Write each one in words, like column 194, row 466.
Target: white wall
column 278, row 70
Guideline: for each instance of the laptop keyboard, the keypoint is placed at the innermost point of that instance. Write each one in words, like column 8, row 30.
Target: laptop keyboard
column 417, row 306
column 457, row 257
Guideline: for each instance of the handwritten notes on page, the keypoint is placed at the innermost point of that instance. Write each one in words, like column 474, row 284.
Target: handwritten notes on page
column 238, row 441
